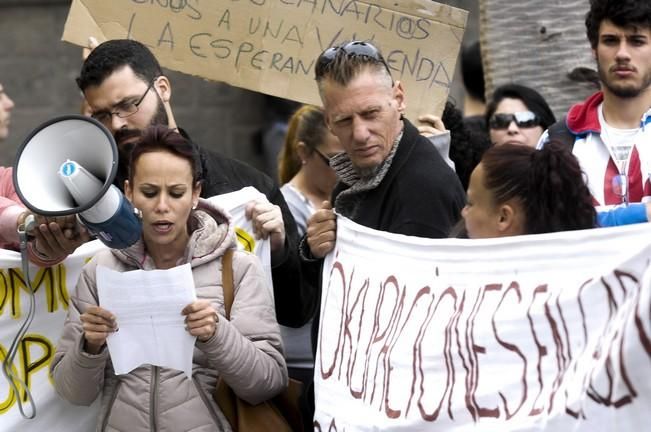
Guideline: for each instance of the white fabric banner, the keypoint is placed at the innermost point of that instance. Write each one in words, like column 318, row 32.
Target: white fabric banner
column 52, row 287
column 549, row 332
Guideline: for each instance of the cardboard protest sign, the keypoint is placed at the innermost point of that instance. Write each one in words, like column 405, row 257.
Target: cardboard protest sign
column 532, row 333
column 271, row 46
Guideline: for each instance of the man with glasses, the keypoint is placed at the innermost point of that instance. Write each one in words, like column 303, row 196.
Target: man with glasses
column 390, row 178
column 611, row 130
column 126, row 91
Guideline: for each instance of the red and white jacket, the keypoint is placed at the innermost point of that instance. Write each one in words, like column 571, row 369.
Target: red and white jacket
column 596, row 161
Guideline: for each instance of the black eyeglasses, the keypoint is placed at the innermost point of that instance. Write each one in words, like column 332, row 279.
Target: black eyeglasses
column 351, row 49
column 523, row 119
column 123, row 109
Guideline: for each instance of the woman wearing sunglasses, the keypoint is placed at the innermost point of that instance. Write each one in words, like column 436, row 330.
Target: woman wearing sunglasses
column 304, row 163
column 307, row 180
column 517, row 115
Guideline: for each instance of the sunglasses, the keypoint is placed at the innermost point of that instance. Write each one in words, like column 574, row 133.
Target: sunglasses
column 352, row 49
column 523, row 119
column 324, row 158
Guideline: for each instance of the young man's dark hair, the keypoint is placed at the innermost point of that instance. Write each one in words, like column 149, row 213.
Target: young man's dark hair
column 112, row 55
column 622, row 13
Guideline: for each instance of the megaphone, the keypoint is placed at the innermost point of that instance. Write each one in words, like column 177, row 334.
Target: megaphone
column 66, row 166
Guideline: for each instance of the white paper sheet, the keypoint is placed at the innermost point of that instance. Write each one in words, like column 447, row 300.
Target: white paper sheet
column 147, row 306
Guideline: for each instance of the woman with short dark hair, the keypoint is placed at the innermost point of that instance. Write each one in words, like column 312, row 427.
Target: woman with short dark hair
column 517, row 115
column 179, row 228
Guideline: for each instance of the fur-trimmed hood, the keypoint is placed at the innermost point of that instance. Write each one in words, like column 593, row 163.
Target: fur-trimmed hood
column 211, row 234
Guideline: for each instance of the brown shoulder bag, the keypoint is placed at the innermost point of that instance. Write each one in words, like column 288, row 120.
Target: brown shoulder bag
column 281, row 413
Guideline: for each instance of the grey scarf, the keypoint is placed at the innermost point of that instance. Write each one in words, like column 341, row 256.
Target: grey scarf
column 348, row 201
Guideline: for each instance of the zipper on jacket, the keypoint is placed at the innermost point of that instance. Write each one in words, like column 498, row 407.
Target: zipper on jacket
column 153, row 398
column 114, row 396
column 207, row 403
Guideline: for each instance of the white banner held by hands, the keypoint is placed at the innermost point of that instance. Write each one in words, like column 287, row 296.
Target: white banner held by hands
column 52, row 287
column 548, row 332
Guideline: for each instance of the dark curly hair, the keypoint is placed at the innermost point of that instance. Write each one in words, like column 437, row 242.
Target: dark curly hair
column 548, row 182
column 113, row 55
column 622, row 13
column 466, row 145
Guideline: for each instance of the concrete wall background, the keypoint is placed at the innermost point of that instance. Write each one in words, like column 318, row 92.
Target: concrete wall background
column 37, row 69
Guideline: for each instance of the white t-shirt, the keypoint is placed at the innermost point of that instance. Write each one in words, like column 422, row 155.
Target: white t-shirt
column 619, row 141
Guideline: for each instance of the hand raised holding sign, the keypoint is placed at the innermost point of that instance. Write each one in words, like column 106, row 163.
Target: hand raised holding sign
column 431, row 125
column 92, row 44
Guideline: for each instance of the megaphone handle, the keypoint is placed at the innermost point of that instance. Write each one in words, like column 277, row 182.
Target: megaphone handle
column 27, row 224
column 80, row 221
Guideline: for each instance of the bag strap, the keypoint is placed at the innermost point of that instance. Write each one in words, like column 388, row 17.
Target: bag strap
column 227, row 281
column 560, row 132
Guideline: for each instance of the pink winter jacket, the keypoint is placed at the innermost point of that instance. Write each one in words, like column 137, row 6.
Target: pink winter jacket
column 10, row 208
column 247, row 351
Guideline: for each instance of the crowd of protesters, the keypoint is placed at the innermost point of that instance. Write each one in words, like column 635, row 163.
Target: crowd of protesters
column 507, row 168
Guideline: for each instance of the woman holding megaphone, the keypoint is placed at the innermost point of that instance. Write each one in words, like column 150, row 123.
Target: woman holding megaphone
column 177, row 228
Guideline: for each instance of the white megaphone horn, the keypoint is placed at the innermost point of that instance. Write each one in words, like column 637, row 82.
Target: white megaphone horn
column 67, row 166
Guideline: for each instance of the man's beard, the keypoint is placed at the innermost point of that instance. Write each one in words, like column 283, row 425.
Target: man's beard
column 623, row 91
column 125, row 148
